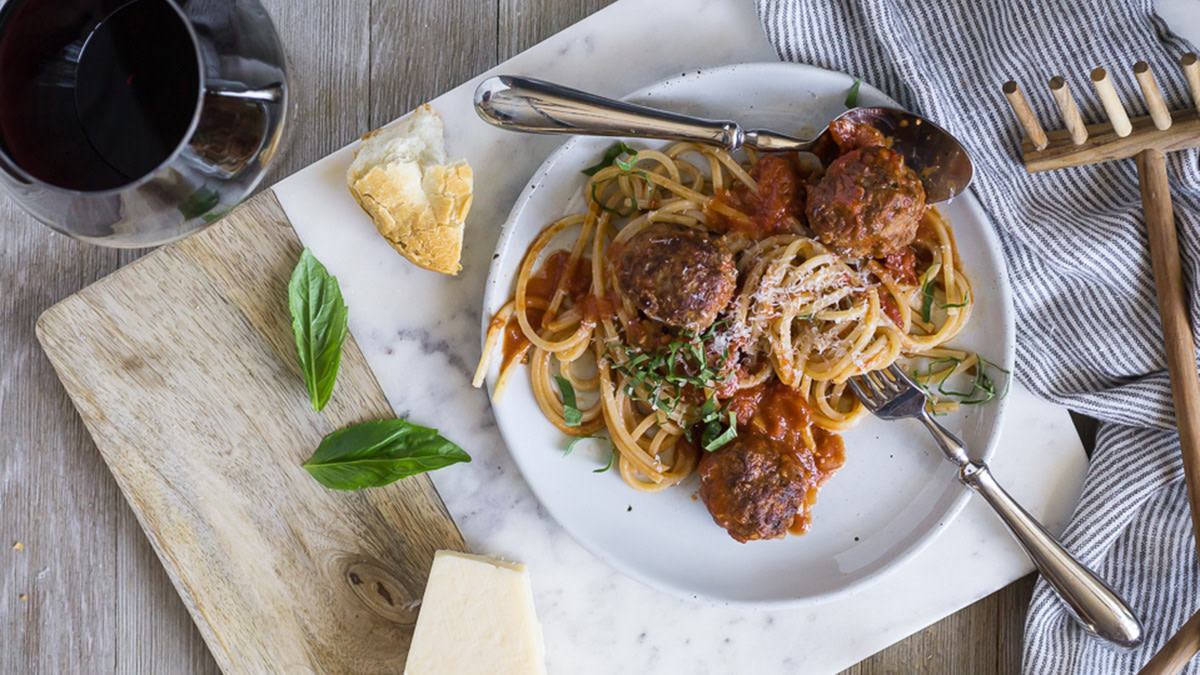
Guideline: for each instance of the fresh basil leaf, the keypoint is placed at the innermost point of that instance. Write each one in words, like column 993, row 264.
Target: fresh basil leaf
column 374, row 454
column 615, row 151
column 852, row 96
column 714, row 438
column 572, row 417
column 319, row 322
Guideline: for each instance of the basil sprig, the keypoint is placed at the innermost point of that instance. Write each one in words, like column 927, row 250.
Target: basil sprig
column 374, row 454
column 319, row 322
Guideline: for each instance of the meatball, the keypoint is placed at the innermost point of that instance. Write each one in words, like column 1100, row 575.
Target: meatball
column 676, row 275
column 868, row 204
column 751, row 488
column 852, row 135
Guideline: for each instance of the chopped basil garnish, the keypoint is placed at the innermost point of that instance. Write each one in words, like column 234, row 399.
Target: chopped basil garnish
column 982, row 387
column 966, row 301
column 852, row 96
column 572, row 417
column 658, row 378
column 716, row 434
column 612, row 453
column 927, row 291
column 612, row 457
column 610, row 156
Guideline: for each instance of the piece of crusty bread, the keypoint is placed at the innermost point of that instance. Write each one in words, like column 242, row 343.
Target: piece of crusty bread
column 417, row 198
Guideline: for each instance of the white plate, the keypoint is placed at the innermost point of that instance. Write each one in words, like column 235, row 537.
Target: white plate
column 895, row 490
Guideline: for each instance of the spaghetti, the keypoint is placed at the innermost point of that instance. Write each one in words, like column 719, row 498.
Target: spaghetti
column 802, row 315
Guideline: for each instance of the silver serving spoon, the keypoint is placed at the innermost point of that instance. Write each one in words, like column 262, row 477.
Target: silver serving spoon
column 526, row 104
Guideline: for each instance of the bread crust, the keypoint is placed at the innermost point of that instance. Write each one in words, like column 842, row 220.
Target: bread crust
column 419, row 209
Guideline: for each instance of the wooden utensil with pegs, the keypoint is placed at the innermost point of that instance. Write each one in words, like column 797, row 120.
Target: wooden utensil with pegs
column 1145, row 139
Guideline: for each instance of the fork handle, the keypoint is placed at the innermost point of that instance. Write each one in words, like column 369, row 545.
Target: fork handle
column 1097, row 608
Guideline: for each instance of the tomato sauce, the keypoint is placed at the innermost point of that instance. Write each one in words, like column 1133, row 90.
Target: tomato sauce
column 902, row 265
column 595, row 308
column 547, row 278
column 778, row 203
column 539, row 291
column 890, row 309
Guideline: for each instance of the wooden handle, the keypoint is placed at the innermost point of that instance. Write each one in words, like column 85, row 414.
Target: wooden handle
column 1177, row 652
column 1172, row 307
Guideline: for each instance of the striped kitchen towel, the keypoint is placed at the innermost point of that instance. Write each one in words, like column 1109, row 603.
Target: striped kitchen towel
column 1088, row 333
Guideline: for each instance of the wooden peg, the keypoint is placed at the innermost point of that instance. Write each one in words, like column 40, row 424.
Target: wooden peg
column 1020, row 107
column 1154, row 98
column 1070, row 113
column 1191, row 70
column 1112, row 103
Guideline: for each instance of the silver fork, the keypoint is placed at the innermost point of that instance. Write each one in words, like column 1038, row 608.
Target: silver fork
column 892, row 395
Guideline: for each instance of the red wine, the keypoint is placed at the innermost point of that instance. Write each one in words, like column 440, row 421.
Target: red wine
column 95, row 95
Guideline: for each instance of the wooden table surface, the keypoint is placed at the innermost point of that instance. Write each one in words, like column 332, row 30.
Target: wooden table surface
column 87, row 594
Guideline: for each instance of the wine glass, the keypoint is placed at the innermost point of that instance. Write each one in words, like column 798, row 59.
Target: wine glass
column 133, row 123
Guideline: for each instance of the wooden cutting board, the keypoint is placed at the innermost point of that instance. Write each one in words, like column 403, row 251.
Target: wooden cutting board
column 183, row 367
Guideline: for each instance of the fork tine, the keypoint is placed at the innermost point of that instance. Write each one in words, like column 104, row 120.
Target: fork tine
column 861, row 392
column 902, row 377
column 886, row 387
column 875, row 386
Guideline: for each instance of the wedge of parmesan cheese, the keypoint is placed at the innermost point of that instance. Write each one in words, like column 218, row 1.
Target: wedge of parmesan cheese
column 477, row 617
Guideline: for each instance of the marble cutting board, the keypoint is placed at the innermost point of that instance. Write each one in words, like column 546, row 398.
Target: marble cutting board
column 420, row 334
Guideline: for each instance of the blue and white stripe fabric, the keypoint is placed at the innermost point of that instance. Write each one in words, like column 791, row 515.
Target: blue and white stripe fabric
column 1088, row 333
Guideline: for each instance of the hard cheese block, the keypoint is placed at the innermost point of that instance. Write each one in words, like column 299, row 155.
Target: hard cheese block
column 477, row 616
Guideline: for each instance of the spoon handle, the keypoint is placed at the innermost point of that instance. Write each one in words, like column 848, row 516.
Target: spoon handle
column 526, row 104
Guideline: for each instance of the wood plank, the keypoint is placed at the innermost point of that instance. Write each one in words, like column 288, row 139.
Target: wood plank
column 59, row 502
column 419, row 50
column 982, row 639
column 204, row 421
column 329, row 63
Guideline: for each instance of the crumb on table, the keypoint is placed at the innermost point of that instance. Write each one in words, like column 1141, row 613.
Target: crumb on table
column 18, row 546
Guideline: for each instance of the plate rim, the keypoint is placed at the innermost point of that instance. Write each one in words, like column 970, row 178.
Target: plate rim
column 1002, row 291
